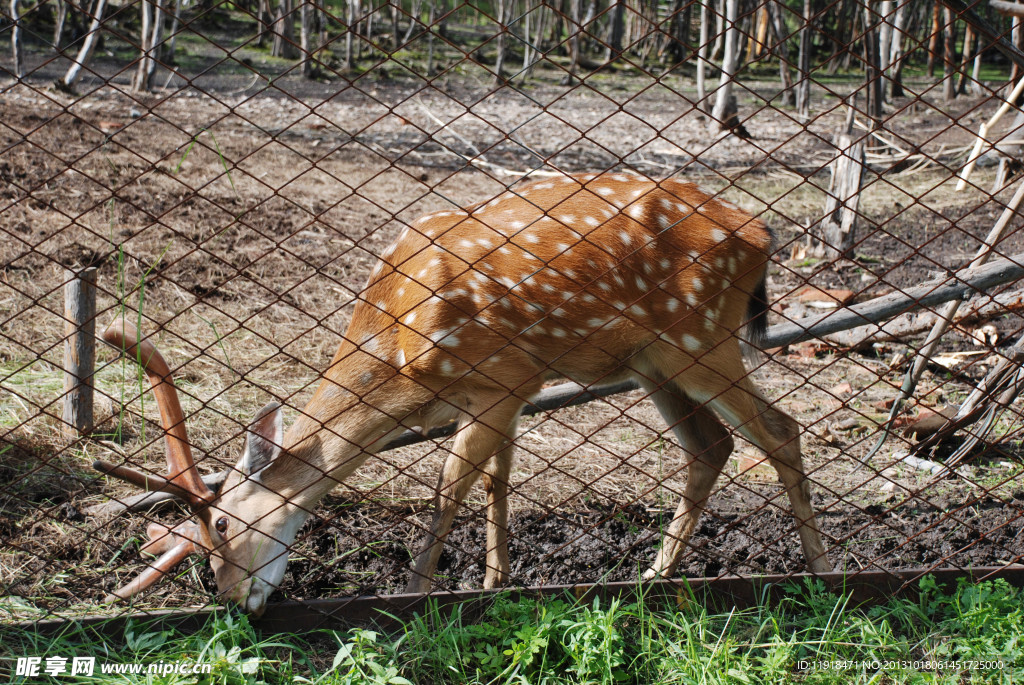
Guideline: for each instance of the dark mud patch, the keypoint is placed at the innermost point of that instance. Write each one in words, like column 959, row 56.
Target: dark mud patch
column 365, row 548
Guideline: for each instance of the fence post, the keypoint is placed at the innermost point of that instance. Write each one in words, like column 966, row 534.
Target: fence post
column 79, row 350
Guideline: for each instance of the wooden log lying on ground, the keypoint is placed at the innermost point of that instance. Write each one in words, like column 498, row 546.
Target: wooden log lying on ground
column 973, row 312
column 959, row 285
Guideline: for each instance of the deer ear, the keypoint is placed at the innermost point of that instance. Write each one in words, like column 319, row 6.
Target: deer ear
column 263, row 439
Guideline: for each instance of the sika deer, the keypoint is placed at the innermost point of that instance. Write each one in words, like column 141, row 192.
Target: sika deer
column 592, row 278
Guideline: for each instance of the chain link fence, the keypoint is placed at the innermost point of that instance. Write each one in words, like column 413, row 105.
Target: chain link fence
column 224, row 177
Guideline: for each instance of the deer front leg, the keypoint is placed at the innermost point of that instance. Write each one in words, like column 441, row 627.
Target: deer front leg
column 477, row 441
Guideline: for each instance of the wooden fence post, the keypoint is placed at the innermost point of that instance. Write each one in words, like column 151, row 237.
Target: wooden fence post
column 79, row 350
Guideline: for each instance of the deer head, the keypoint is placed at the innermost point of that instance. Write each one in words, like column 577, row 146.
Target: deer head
column 247, row 559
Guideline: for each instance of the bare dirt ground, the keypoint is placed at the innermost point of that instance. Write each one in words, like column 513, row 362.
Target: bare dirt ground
column 242, row 225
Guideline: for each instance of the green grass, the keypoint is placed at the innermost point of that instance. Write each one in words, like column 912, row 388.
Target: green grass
column 563, row 641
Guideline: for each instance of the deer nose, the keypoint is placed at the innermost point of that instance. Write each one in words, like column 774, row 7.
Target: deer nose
column 249, row 594
column 239, row 592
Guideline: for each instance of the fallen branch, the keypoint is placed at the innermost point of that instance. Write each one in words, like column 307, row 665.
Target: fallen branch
column 973, row 312
column 957, row 286
column 1014, row 9
column 1000, row 387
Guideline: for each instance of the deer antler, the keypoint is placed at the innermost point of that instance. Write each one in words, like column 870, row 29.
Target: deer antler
column 174, row 544
column 183, row 481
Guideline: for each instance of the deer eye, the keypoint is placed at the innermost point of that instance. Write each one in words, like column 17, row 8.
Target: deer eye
column 221, row 525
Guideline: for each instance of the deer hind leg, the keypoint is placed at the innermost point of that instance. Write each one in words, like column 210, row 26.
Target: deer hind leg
column 496, row 472
column 481, row 438
column 778, row 435
column 707, row 445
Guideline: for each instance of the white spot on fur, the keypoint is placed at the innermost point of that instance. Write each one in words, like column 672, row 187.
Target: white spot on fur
column 690, row 343
column 625, row 237
column 717, row 234
column 672, row 304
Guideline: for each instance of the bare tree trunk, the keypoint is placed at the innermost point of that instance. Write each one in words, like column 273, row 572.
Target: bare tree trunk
column 896, row 54
column 976, row 87
column 723, row 96
column 264, row 15
column 414, row 20
column 155, row 41
column 803, row 86
column 933, row 38
column 350, row 20
column 395, row 39
column 151, row 35
column 284, row 31
column 536, row 44
column 884, row 39
column 949, row 56
column 759, row 37
column 141, row 80
column 702, row 55
column 167, row 53
column 431, row 18
column 836, row 232
column 873, row 86
column 88, row 45
column 1015, row 34
column 572, row 23
column 18, row 54
column 787, row 98
column 59, row 17
column 965, row 59
column 716, row 48
column 305, row 37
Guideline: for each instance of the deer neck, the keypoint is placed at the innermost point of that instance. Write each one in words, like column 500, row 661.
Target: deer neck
column 355, row 411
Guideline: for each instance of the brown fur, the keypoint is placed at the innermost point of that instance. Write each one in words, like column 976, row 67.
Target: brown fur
column 591, row 278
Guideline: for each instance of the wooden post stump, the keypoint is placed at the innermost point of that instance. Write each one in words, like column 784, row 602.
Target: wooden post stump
column 835, row 234
column 79, row 350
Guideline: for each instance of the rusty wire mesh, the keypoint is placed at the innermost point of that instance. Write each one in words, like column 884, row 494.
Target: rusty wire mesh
column 236, row 197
